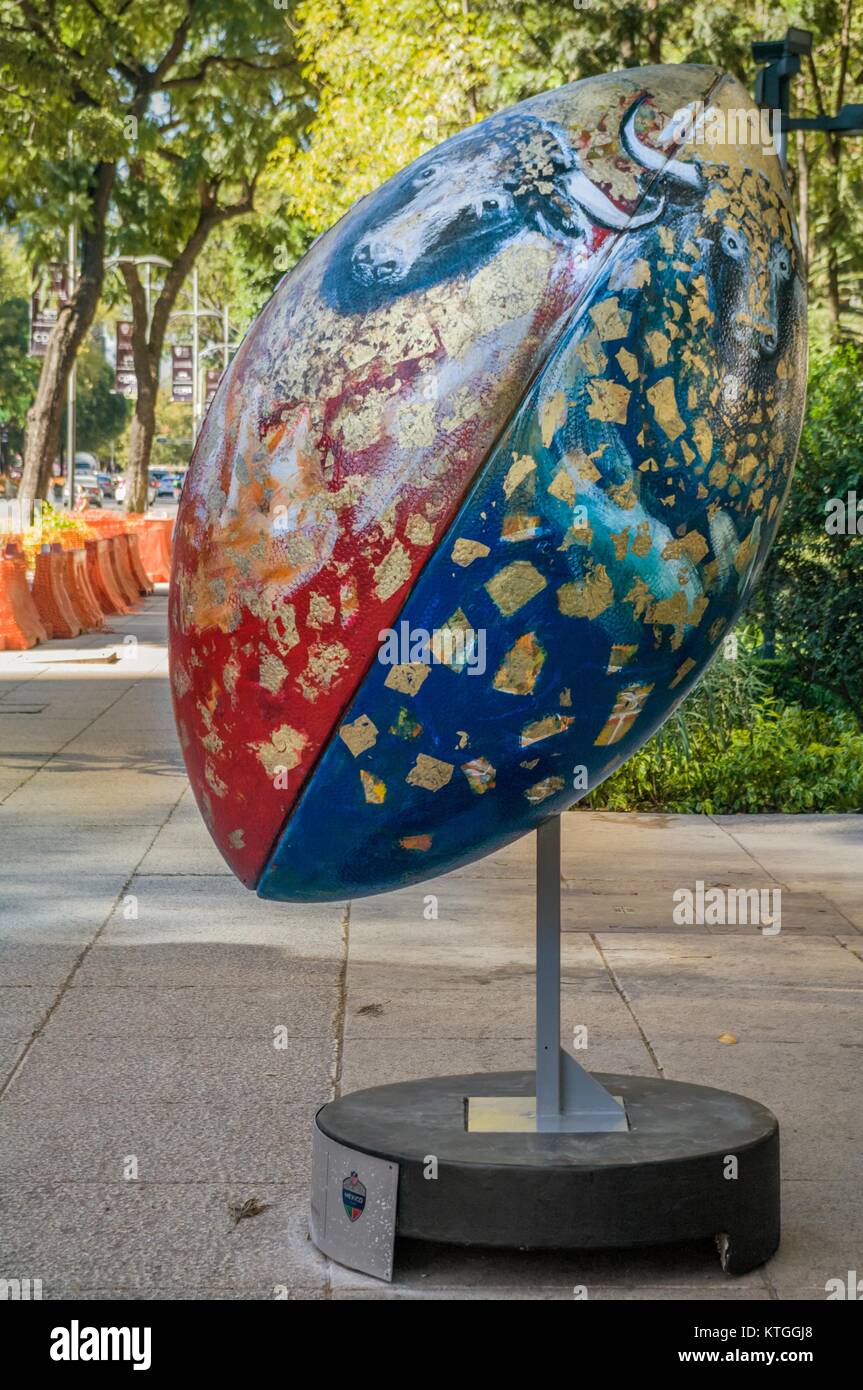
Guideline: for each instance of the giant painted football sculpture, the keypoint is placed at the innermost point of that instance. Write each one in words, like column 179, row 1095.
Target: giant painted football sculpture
column 485, row 485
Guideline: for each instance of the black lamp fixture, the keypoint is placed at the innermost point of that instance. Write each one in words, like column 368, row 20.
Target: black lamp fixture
column 780, row 61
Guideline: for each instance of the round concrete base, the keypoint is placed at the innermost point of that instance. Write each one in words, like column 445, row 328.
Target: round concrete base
column 695, row 1162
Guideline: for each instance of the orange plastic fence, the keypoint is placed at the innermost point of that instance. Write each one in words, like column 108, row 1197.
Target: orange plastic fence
column 154, row 542
column 142, row 579
column 93, row 604
column 20, row 624
column 74, row 588
column 87, row 611
column 50, row 595
column 120, row 555
column 102, row 578
column 153, row 533
column 112, row 560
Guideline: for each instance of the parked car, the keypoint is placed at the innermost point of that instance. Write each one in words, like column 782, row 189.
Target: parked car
column 86, row 485
column 169, row 485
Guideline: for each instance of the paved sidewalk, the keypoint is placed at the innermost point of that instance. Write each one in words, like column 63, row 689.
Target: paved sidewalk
column 141, row 990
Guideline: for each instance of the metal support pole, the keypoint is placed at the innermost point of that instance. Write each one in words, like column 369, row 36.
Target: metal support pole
column 548, row 969
column 195, row 354
column 71, row 395
column 568, row 1098
column 225, row 338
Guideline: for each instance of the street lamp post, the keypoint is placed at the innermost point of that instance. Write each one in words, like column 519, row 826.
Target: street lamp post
column 71, row 392
column 196, row 313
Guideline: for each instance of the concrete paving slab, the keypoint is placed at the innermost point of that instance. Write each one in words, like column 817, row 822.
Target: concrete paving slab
column 803, row 851
column 847, row 900
column 257, row 965
column 822, row 1237
column 538, row 1293
column 183, row 841
column 613, row 845
column 598, row 906
column 193, row 1293
column 443, row 1003
column 669, row 1270
column 158, row 1240
column 55, row 911
column 241, row 1141
column 27, row 963
column 105, row 1070
column 22, row 1010
column 304, row 1005
column 114, row 850
column 95, row 791
column 376, row 1062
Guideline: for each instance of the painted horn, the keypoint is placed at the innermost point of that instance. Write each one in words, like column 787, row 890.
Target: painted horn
column 689, row 175
column 602, row 211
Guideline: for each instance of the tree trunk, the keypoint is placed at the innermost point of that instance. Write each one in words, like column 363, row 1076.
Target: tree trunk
column 44, row 418
column 141, row 433
column 834, row 145
column 143, row 426
column 834, row 302
column 654, row 33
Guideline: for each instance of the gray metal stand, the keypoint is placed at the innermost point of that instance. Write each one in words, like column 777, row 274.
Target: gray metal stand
column 568, row 1099
column 556, row 1159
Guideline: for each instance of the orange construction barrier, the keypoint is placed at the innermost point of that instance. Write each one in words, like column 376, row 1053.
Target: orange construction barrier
column 102, row 578
column 168, row 543
column 142, row 579
column 20, row 624
column 93, row 603
column 50, row 595
column 120, row 556
column 87, row 611
column 109, row 564
column 153, row 537
column 154, row 542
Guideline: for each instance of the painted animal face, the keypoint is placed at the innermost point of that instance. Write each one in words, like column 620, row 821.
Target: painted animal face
column 457, row 206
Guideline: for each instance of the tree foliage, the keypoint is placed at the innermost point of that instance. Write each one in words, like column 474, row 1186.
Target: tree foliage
column 810, row 600
column 390, row 83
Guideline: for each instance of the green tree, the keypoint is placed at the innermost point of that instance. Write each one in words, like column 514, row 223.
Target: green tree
column 810, row 601
column 391, row 83
column 137, row 123
column 196, row 167
column 18, row 372
column 101, row 414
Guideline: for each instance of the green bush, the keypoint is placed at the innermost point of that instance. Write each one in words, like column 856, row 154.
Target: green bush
column 789, row 759
column 777, row 729
column 809, row 602
column 734, row 747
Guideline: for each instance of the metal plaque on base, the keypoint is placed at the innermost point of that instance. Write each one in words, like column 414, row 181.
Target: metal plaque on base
column 353, row 1208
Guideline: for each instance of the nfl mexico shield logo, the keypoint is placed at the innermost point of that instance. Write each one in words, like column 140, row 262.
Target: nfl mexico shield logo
column 353, row 1197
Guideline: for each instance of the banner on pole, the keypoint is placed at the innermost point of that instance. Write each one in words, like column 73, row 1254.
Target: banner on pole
column 45, row 305
column 182, row 375
column 125, row 381
column 213, row 377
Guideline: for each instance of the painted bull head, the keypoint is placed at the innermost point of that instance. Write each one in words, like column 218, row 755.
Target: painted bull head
column 750, row 274
column 455, row 207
